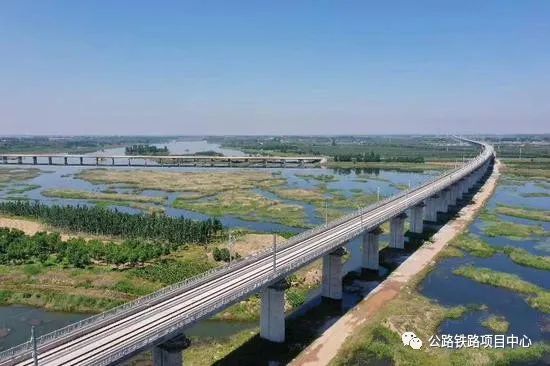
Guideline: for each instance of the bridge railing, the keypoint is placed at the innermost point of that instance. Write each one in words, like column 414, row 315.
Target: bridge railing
column 98, row 320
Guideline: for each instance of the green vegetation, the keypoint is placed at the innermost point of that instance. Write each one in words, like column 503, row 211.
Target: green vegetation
column 206, row 352
column 497, row 324
column 193, row 184
column 97, row 220
column 459, row 311
column 247, row 205
column 171, row 271
column 524, row 213
column 512, row 230
column 223, row 255
column 208, row 153
column 537, row 297
column 53, row 300
column 22, row 188
column 473, row 245
column 71, row 144
column 524, row 258
column 379, row 341
column 97, row 196
column 146, row 150
column 351, row 147
column 325, row 178
column 8, row 175
column 145, row 207
column 536, row 194
column 18, row 248
column 56, row 285
column 363, row 157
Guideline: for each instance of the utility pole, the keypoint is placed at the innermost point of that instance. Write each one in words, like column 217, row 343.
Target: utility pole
column 34, row 348
column 230, row 242
column 274, row 252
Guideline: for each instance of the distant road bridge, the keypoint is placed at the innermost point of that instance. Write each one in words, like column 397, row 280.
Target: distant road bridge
column 157, row 321
column 163, row 160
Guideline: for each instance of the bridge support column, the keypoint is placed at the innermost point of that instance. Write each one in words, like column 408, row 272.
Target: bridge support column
column 370, row 259
column 19, row 160
column 65, row 161
column 332, row 274
column 35, row 160
column 397, row 231
column 460, row 189
column 452, row 195
column 113, row 161
column 272, row 317
column 170, row 353
column 4, row 159
column 50, row 162
column 443, row 201
column 432, row 204
column 81, row 160
column 417, row 218
column 96, row 161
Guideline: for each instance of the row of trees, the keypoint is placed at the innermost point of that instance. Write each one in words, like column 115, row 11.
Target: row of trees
column 146, row 150
column 370, row 156
column 405, row 159
column 103, row 221
column 374, row 157
column 18, row 248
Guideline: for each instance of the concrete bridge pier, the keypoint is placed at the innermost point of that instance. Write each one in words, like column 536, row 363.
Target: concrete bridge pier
column 272, row 317
column 453, row 194
column 4, row 159
column 397, row 231
column 170, row 353
column 113, row 161
column 460, row 189
column 96, row 161
column 50, row 162
column 19, row 160
column 65, row 161
column 332, row 274
column 432, row 204
column 443, row 201
column 34, row 160
column 81, row 160
column 370, row 258
column 417, row 218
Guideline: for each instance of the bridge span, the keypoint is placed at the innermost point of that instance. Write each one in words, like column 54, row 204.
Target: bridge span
column 157, row 321
column 163, row 160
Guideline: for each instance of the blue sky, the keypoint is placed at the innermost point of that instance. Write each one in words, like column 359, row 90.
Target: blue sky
column 274, row 67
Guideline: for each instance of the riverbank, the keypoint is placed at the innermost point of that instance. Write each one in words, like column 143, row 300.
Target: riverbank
column 348, row 332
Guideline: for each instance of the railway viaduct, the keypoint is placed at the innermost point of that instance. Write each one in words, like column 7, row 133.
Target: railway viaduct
column 158, row 321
